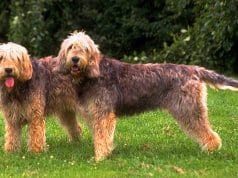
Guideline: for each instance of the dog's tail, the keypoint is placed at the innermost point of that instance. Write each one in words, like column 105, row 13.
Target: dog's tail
column 216, row 80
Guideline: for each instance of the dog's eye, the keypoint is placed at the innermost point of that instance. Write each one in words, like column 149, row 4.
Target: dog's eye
column 1, row 58
column 70, row 47
column 18, row 59
column 86, row 49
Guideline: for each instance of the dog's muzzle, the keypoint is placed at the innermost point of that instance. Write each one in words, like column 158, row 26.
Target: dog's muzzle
column 8, row 70
column 75, row 68
column 75, row 59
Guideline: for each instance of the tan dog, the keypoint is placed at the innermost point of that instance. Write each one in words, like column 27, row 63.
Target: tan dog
column 108, row 87
column 29, row 92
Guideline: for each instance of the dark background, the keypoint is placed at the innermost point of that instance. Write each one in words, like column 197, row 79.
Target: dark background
column 200, row 32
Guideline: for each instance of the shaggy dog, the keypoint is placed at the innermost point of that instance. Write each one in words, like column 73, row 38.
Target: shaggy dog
column 108, row 87
column 29, row 92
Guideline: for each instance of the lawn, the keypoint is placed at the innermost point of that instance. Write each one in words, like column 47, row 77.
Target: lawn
column 147, row 145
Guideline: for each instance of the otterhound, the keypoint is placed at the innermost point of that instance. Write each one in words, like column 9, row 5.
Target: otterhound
column 29, row 92
column 108, row 87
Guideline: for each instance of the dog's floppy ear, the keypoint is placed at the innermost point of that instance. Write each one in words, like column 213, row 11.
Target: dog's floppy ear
column 61, row 58
column 63, row 50
column 61, row 54
column 93, row 63
column 93, row 66
column 26, row 68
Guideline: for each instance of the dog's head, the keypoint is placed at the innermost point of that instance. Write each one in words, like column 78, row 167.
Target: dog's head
column 15, row 64
column 79, row 56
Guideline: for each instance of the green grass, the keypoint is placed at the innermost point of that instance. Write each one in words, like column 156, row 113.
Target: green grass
column 147, row 145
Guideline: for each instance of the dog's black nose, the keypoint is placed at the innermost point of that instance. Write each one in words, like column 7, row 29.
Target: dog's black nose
column 8, row 70
column 75, row 59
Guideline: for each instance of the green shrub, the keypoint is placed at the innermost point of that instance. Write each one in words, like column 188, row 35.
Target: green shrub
column 210, row 40
column 119, row 26
column 183, row 31
column 4, row 19
column 27, row 25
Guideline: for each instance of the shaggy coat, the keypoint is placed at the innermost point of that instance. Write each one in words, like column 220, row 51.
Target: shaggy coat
column 127, row 89
column 30, row 100
column 108, row 87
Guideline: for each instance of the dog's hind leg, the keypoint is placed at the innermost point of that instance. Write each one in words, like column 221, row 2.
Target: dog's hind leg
column 191, row 114
column 199, row 128
column 69, row 121
column 103, row 133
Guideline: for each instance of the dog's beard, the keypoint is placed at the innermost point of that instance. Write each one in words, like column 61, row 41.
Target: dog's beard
column 77, row 72
column 75, row 69
column 68, row 69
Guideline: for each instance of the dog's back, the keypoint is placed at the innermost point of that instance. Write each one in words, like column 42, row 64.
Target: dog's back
column 60, row 93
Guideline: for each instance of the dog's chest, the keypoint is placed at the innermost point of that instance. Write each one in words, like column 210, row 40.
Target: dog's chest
column 14, row 104
column 14, row 110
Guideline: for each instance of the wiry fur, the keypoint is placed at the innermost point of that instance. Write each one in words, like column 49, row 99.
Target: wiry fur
column 37, row 93
column 118, row 88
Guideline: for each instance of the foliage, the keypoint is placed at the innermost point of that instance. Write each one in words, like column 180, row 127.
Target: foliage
column 27, row 25
column 4, row 19
column 119, row 26
column 211, row 38
column 211, row 41
column 184, row 31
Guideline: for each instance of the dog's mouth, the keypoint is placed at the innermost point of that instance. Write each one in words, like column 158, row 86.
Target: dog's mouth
column 75, row 69
column 9, row 82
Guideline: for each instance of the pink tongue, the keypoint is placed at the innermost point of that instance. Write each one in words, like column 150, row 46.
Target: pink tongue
column 9, row 82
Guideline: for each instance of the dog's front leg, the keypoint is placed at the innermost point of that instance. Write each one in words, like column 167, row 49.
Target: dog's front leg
column 35, row 112
column 12, row 136
column 103, row 133
column 36, row 131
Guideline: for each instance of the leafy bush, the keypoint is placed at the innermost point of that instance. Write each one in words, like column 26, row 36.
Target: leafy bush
column 183, row 31
column 4, row 19
column 27, row 25
column 211, row 38
column 119, row 26
column 211, row 41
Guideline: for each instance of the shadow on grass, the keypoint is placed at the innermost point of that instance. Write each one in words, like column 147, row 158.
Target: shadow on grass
column 63, row 149
column 83, row 150
column 161, row 152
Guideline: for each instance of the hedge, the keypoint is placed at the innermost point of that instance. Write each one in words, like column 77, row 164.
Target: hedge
column 183, row 31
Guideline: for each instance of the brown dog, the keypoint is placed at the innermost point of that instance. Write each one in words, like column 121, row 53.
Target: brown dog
column 29, row 92
column 108, row 87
